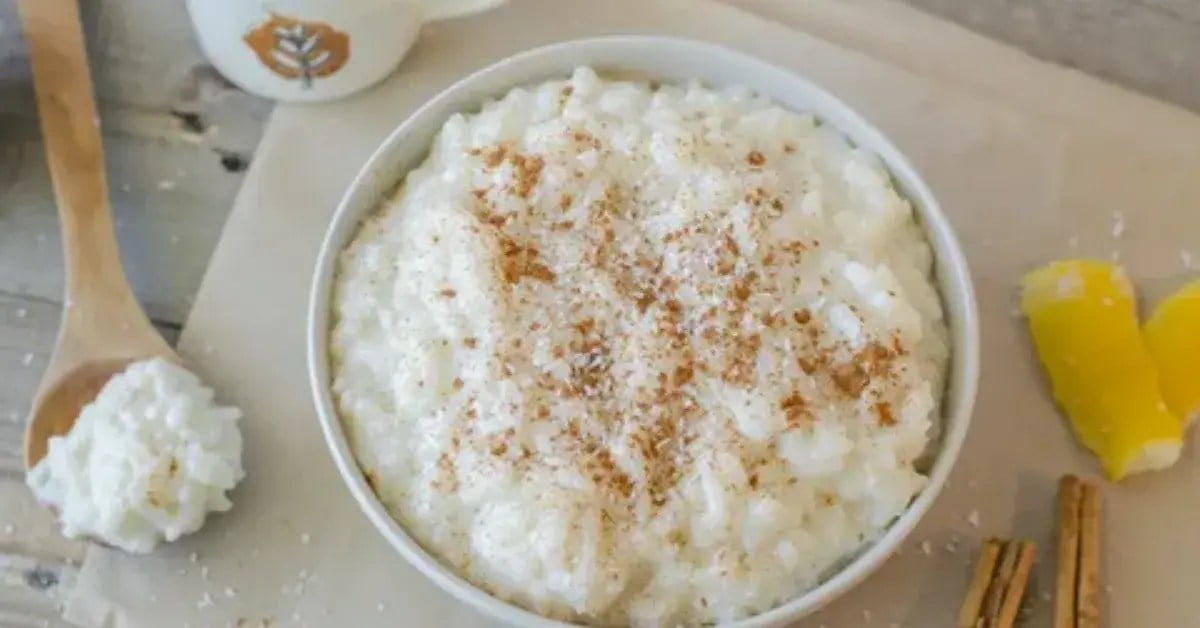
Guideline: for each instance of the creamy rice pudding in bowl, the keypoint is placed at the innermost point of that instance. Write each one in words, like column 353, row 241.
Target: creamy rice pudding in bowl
column 640, row 331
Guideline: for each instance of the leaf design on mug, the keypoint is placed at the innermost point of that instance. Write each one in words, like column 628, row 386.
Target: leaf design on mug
column 296, row 49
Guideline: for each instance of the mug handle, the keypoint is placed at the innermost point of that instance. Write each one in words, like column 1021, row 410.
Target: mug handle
column 435, row 10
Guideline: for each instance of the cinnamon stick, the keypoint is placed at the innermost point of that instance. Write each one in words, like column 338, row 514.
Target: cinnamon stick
column 968, row 615
column 1016, row 586
column 994, row 598
column 1066, row 577
column 1087, row 595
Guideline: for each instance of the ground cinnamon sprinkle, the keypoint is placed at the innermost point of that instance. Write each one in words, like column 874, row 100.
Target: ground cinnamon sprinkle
column 850, row 378
column 755, row 158
column 741, row 288
column 795, row 410
column 529, row 172
column 884, row 411
column 683, row 375
column 517, row 261
column 808, row 366
column 494, row 156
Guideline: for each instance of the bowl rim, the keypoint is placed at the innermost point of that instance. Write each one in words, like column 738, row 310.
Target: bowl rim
column 952, row 272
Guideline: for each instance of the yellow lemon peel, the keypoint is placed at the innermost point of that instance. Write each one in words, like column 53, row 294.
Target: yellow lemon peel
column 1172, row 334
column 1083, row 319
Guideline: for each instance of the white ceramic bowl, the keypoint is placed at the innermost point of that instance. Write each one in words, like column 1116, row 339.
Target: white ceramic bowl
column 667, row 60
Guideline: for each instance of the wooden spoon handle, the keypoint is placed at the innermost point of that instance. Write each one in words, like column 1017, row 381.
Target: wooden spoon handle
column 96, row 285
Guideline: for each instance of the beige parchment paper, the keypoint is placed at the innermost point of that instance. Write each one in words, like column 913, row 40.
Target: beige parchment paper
column 1030, row 163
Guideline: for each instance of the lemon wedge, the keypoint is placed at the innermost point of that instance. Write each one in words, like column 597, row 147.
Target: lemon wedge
column 1172, row 334
column 1083, row 319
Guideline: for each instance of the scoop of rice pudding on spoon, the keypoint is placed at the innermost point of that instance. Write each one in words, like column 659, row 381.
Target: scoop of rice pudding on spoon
column 122, row 442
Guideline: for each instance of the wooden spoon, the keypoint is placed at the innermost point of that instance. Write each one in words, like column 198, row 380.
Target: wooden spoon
column 103, row 328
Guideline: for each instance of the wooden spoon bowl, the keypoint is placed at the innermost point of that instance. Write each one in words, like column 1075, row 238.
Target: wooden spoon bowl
column 103, row 327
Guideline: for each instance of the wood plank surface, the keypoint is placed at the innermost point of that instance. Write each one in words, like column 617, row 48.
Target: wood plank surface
column 178, row 138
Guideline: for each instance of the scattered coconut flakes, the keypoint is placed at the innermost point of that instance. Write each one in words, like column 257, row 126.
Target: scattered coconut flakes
column 193, row 557
column 166, row 185
column 1118, row 226
column 229, row 592
column 926, row 548
column 304, row 538
column 22, row 312
column 10, row 529
column 379, row 607
column 1185, row 256
column 973, row 518
column 28, row 359
column 205, row 601
column 204, row 572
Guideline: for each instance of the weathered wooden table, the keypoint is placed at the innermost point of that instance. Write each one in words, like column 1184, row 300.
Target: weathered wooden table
column 178, row 139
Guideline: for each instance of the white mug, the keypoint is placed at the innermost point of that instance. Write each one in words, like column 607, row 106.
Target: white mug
column 312, row 50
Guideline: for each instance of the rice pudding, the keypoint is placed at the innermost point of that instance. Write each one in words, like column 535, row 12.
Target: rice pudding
column 622, row 353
